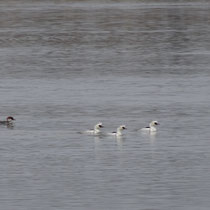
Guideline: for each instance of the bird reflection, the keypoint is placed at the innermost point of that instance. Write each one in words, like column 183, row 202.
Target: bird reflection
column 10, row 126
column 120, row 140
column 151, row 136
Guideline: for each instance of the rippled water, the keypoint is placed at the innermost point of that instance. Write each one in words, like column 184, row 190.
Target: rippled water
column 66, row 66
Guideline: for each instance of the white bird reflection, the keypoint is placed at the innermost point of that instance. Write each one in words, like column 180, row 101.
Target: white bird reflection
column 150, row 135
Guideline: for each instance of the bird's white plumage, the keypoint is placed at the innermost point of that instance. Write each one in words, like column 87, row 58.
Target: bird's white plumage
column 151, row 127
column 96, row 130
column 119, row 131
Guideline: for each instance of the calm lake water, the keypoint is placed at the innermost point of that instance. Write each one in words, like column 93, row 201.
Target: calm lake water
column 66, row 65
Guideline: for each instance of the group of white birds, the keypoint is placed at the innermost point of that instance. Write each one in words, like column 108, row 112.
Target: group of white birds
column 97, row 128
column 120, row 129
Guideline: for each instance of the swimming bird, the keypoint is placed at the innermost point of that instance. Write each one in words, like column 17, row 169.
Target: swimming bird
column 8, row 121
column 119, row 131
column 151, row 127
column 96, row 129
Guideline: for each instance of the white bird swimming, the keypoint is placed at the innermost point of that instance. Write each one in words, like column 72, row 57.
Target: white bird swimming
column 96, row 129
column 119, row 131
column 151, row 127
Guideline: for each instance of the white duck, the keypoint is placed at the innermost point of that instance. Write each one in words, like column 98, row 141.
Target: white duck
column 96, row 129
column 151, row 127
column 119, row 131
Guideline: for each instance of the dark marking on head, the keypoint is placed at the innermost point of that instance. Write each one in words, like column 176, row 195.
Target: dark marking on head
column 10, row 118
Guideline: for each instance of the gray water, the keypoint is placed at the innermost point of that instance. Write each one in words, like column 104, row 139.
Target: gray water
column 66, row 65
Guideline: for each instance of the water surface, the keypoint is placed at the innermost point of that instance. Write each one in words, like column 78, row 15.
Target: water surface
column 66, row 66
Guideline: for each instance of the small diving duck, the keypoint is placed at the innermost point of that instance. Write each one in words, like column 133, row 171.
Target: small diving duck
column 119, row 131
column 151, row 127
column 96, row 129
column 8, row 121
